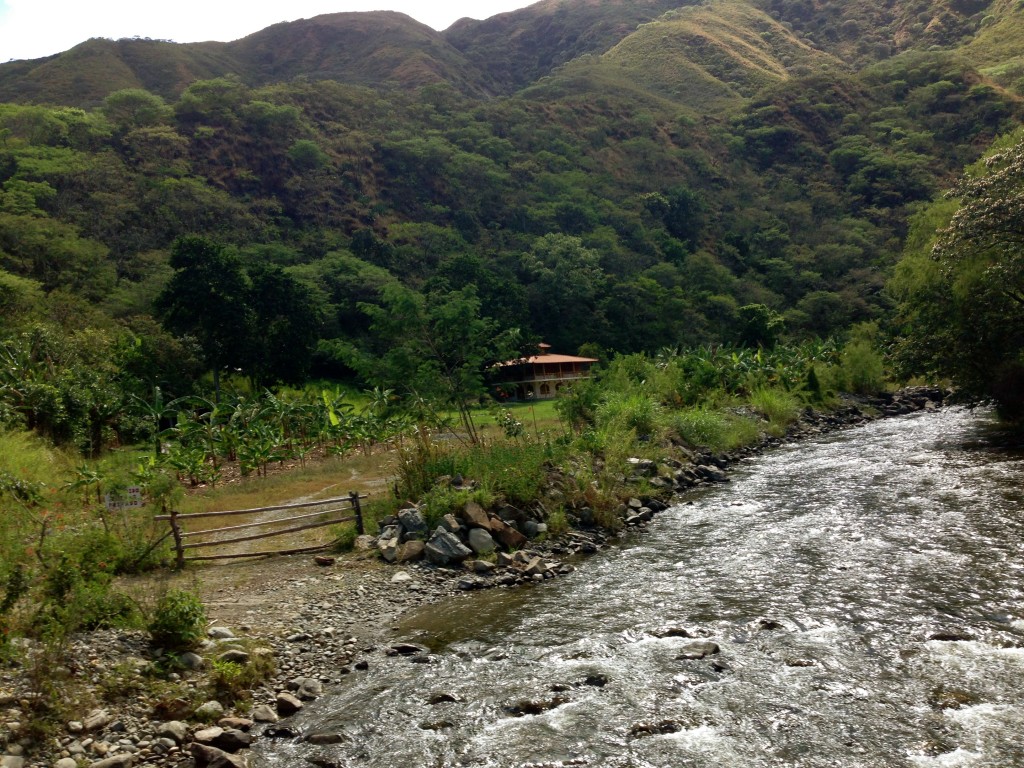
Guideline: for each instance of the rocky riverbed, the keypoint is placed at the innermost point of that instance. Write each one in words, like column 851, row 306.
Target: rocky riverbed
column 324, row 620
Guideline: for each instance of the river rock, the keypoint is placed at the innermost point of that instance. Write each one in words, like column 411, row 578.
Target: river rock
column 208, row 735
column 232, row 740
column 98, row 718
column 262, row 713
column 407, row 649
column 698, row 650
column 413, row 524
column 410, row 551
column 534, row 706
column 220, row 633
column 364, row 543
column 475, row 516
column 325, row 738
column 714, row 474
column 211, row 710
column 191, row 661
column 66, row 762
column 445, row 548
column 117, row 761
column 236, row 723
column 450, row 523
column 444, row 698
column 506, row 535
column 12, row 761
column 287, row 705
column 211, row 757
column 235, row 656
column 671, row 632
column 310, row 688
column 173, row 729
column 480, row 541
column 534, row 567
column 532, row 528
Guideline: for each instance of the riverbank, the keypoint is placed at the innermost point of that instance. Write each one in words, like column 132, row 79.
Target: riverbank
column 322, row 623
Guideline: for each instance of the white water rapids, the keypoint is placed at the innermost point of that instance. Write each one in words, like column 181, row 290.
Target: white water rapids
column 865, row 590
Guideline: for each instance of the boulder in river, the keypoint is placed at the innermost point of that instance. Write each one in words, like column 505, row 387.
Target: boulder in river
column 698, row 650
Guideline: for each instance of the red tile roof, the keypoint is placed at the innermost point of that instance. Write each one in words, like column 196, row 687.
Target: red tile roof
column 542, row 359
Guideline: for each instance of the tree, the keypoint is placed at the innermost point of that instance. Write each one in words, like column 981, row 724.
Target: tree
column 134, row 108
column 435, row 347
column 962, row 291
column 287, row 326
column 207, row 298
column 760, row 326
column 565, row 285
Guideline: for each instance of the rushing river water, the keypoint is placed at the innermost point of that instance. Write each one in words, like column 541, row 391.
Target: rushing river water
column 865, row 589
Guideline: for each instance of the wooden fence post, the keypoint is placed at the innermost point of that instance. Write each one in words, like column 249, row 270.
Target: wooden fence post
column 176, row 530
column 354, row 498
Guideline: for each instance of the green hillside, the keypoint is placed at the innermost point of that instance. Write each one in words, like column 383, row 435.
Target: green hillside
column 619, row 176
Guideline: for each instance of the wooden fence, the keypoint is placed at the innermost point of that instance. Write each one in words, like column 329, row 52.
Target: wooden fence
column 186, row 540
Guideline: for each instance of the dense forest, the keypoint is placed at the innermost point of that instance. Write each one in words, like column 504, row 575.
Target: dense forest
column 612, row 177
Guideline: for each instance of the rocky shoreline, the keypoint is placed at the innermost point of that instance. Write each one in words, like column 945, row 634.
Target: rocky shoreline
column 335, row 618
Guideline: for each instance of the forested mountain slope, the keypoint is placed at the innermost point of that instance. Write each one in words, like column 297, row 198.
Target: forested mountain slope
column 628, row 175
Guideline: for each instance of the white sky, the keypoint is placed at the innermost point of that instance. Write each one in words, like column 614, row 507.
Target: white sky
column 30, row 29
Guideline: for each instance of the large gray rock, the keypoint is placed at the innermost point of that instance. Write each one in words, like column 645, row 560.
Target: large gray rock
column 235, row 655
column 445, row 548
column 480, row 541
column 220, row 633
column 475, row 516
column 66, row 762
column 414, row 525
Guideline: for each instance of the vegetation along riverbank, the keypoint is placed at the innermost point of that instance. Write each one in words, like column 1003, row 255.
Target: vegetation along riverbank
column 138, row 697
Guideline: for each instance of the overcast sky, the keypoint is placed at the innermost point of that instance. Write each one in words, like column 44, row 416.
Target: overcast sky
column 30, row 29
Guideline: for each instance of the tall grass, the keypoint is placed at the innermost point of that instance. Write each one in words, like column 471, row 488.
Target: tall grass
column 714, row 430
column 780, row 407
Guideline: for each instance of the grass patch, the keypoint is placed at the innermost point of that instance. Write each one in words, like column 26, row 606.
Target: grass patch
column 781, row 408
column 714, row 430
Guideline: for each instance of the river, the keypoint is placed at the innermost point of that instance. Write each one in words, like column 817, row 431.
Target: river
column 865, row 590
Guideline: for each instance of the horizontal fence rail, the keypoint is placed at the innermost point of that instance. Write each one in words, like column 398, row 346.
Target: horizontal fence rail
column 331, row 509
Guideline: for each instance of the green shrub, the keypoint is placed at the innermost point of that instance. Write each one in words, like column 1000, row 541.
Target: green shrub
column 179, row 620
